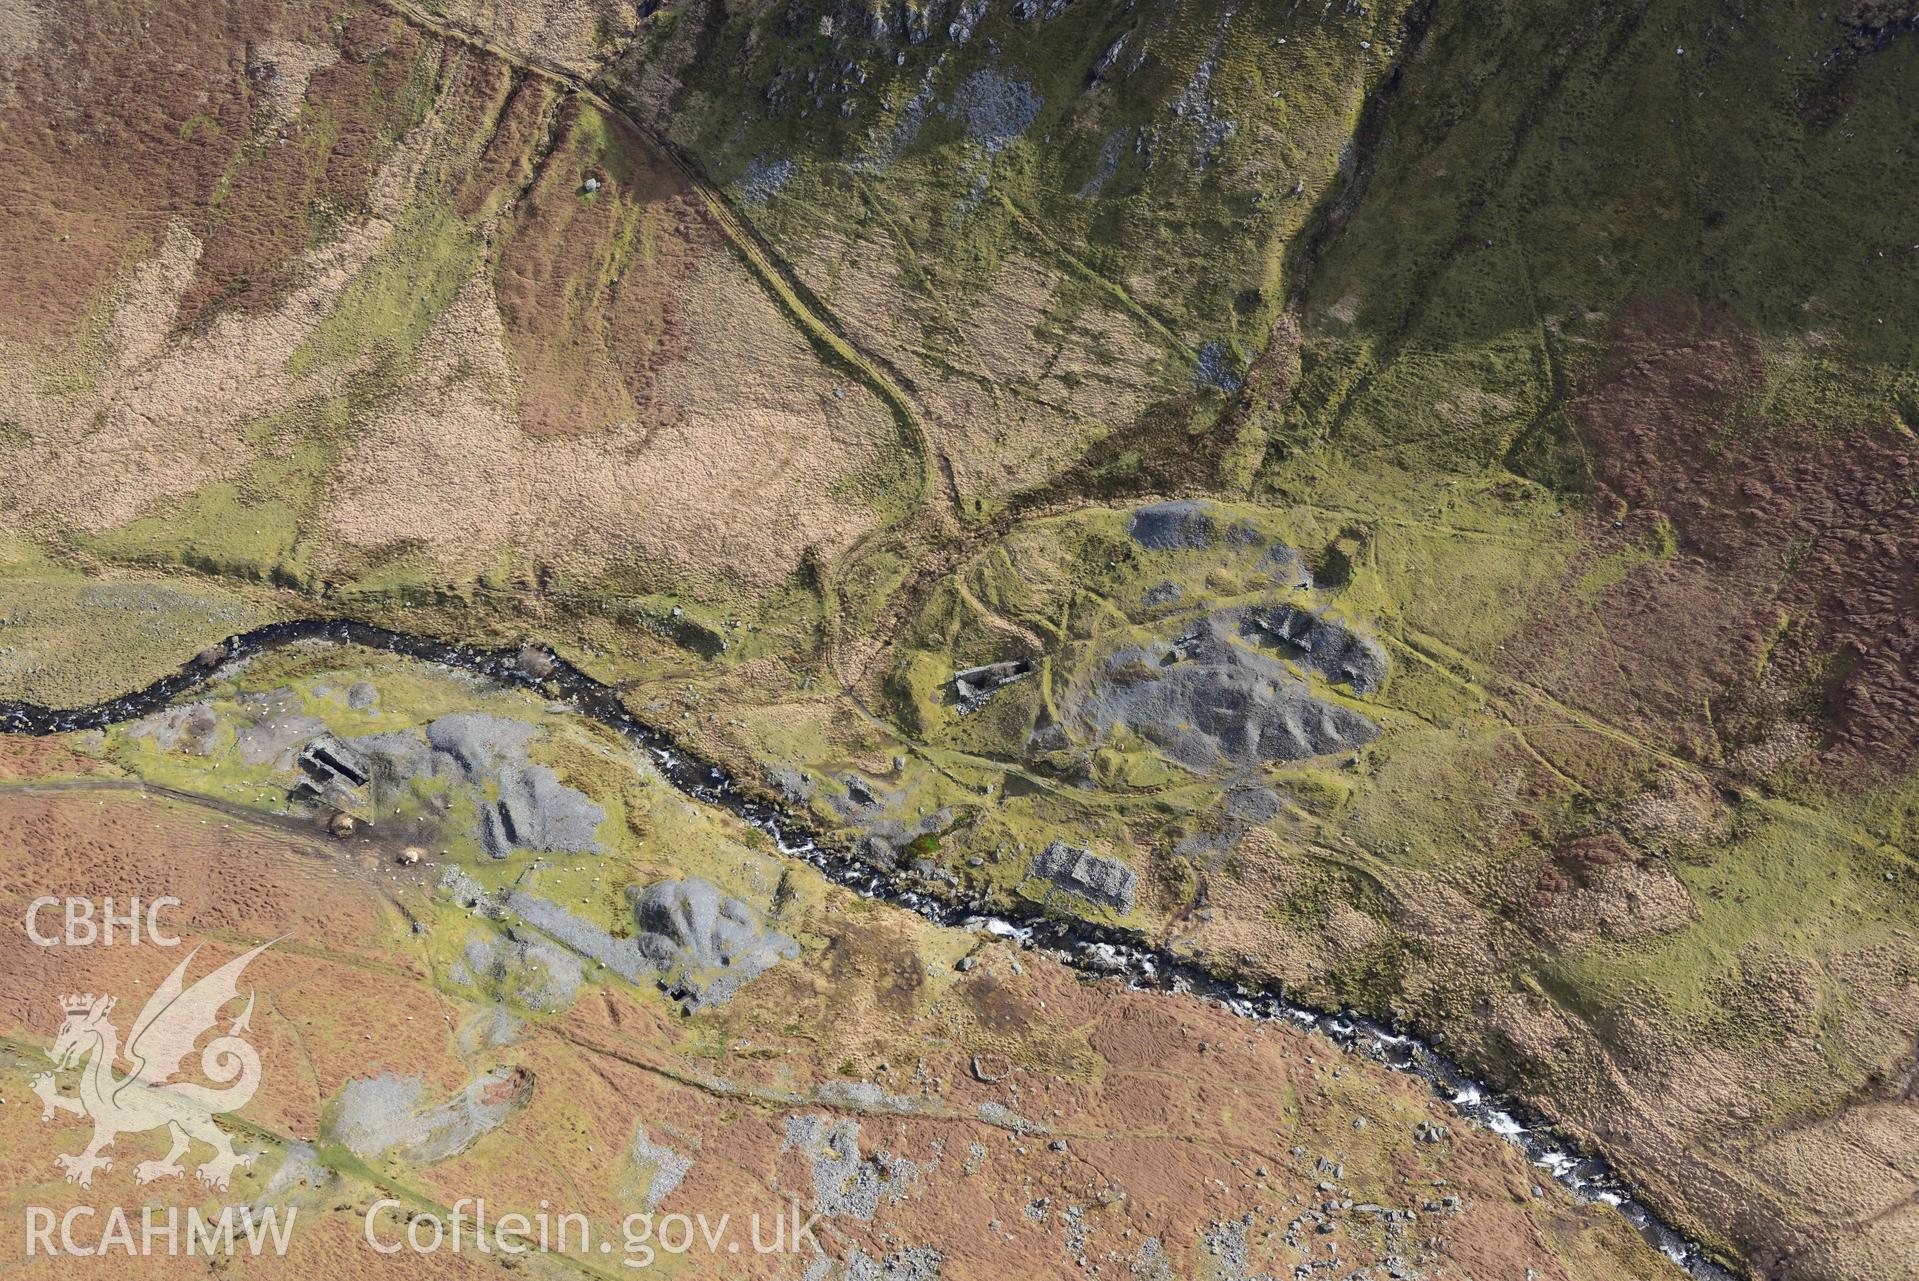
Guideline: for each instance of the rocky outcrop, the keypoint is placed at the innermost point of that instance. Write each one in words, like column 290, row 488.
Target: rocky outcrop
column 1209, row 701
column 1180, row 526
column 704, row 944
column 527, row 971
column 1104, row 881
column 381, row 1115
column 1324, row 644
column 529, row 807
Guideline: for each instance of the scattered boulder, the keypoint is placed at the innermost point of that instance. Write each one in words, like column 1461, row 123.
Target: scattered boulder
column 846, row 1183
column 791, row 783
column 921, row 1263
column 1104, row 881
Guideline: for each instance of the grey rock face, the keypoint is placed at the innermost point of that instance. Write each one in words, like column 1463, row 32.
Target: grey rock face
column 1177, row 526
column 1208, row 700
column 700, row 945
column 764, row 178
column 578, row 934
column 965, row 19
column 995, row 109
column 1326, row 645
column 533, row 810
column 704, row 943
column 1215, row 368
column 374, row 1116
column 538, row 812
column 482, row 744
column 397, row 757
column 528, row 971
column 1105, row 881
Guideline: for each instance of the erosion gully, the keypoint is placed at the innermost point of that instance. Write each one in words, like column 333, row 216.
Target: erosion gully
column 1096, row 949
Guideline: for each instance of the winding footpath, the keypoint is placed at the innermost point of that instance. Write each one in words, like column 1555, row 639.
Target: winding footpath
column 1097, row 949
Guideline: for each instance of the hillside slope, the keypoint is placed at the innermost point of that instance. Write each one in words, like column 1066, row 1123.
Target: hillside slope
column 1442, row 476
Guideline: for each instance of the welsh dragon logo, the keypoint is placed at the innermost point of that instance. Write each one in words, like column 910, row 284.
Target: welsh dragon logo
column 146, row 1098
